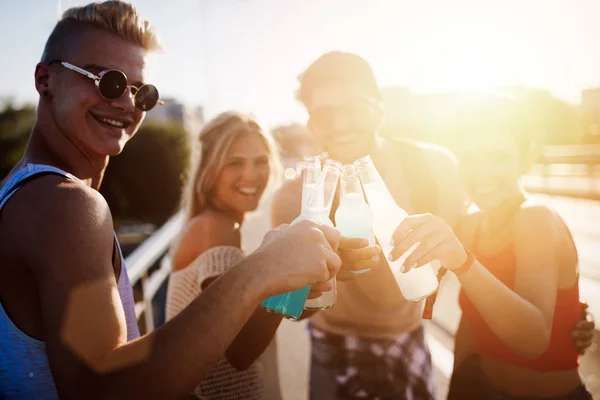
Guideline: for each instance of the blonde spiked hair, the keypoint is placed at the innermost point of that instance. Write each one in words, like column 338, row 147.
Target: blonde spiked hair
column 115, row 16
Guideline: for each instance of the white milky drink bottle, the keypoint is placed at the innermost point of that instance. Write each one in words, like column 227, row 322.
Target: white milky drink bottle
column 353, row 217
column 317, row 209
column 313, row 206
column 417, row 283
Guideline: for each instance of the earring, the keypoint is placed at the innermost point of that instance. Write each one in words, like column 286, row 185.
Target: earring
column 45, row 93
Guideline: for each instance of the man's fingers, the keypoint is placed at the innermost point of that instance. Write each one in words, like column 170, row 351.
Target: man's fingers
column 334, row 262
column 365, row 253
column 585, row 328
column 585, row 325
column 582, row 346
column 332, row 236
column 352, row 243
column 343, row 276
column 321, row 287
column 360, row 265
column 318, row 288
column 582, row 335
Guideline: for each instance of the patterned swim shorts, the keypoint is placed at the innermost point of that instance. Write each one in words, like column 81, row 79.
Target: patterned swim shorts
column 373, row 369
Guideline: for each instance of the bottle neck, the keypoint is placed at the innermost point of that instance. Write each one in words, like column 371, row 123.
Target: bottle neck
column 318, row 197
column 349, row 186
column 368, row 173
column 310, row 176
column 376, row 191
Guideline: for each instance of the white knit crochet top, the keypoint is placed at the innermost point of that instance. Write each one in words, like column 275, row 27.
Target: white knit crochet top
column 224, row 382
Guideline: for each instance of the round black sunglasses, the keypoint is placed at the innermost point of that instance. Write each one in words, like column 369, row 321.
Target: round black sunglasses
column 112, row 84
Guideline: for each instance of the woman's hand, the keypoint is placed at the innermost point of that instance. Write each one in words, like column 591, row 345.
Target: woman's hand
column 435, row 239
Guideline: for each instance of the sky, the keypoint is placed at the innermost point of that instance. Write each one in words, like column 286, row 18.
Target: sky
column 247, row 54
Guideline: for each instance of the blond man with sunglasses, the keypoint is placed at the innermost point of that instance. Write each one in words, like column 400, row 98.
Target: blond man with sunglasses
column 67, row 320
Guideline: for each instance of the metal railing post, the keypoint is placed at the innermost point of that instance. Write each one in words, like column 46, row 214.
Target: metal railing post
column 152, row 251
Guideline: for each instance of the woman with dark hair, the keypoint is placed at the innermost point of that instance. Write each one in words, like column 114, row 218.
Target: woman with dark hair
column 516, row 262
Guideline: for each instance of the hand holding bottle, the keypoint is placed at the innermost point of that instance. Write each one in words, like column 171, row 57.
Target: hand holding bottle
column 354, row 219
column 318, row 190
column 418, row 283
column 299, row 255
column 357, row 258
column 436, row 241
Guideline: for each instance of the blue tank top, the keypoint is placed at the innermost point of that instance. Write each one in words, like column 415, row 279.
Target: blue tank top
column 24, row 369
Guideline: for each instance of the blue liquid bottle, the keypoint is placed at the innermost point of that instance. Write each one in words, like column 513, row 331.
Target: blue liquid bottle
column 318, row 189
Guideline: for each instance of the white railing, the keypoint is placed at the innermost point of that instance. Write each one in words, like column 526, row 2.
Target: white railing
column 571, row 171
column 154, row 249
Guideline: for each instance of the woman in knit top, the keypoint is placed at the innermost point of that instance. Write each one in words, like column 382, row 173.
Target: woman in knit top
column 236, row 163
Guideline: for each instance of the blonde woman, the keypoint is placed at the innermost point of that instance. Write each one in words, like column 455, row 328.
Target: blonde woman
column 237, row 161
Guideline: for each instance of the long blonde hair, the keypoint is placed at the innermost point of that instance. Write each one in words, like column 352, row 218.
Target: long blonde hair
column 215, row 140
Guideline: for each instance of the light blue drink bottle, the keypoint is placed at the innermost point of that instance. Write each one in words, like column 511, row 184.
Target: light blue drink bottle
column 317, row 196
column 353, row 217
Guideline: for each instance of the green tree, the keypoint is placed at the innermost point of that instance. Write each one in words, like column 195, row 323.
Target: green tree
column 15, row 126
column 424, row 117
column 144, row 182
column 556, row 121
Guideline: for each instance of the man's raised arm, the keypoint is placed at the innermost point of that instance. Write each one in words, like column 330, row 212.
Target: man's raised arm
column 84, row 324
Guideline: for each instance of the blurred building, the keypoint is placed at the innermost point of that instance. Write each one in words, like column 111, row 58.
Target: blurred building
column 170, row 111
column 294, row 142
column 194, row 121
column 174, row 111
column 426, row 116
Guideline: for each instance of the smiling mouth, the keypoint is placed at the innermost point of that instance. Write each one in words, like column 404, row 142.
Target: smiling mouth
column 110, row 122
column 248, row 191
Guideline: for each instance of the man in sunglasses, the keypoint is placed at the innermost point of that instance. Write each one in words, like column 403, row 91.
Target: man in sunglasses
column 371, row 345
column 67, row 318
